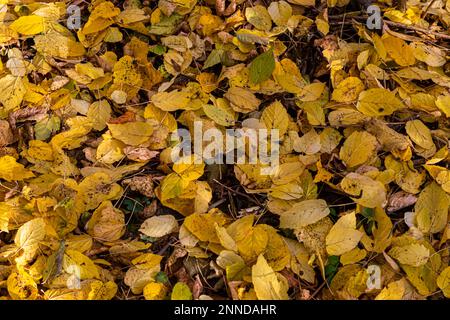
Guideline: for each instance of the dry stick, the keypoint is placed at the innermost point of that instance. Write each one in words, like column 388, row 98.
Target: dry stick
column 393, row 24
column 239, row 193
column 418, row 29
column 317, row 290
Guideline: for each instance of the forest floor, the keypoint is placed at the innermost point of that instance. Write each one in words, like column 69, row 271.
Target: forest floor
column 133, row 136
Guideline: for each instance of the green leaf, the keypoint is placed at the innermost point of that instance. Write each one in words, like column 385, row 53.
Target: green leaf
column 44, row 128
column 158, row 49
column 166, row 25
column 331, row 268
column 161, row 277
column 369, row 213
column 214, row 58
column 181, row 292
column 262, row 67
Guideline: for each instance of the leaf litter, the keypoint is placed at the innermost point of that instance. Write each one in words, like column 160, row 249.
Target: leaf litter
column 92, row 206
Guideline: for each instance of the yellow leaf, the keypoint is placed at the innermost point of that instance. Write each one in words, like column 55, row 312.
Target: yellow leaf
column 358, row 148
column 102, row 291
column 268, row 284
column 208, row 24
column 30, row 235
column 203, row 225
column 57, row 45
column 147, row 261
column 64, row 294
column 432, row 209
column 353, row 256
column 345, row 117
column 220, row 112
column 242, row 100
column 79, row 265
column 277, row 252
column 225, row 239
column 378, row 102
column 208, row 81
column 415, row 255
column 364, row 190
column 322, row 174
column 110, row 150
column 275, row 117
column 288, row 76
column 280, row 12
column 406, row 176
column 126, row 77
column 431, row 55
column 172, row 186
column 443, row 103
column 10, row 170
column 107, row 223
column 89, row 70
column 382, row 230
column 94, row 189
column 171, row 101
column 329, row 140
column 253, row 243
column 40, row 150
column 288, row 191
column 287, row 172
column 159, row 226
column 309, row 143
column 394, row 291
column 155, row 291
column 181, row 291
column 189, row 167
column 28, row 25
column 302, row 2
column 13, row 91
column 348, row 90
column 163, row 117
column 304, row 213
column 419, row 134
column 399, row 50
column 343, row 236
column 99, row 113
column 137, row 279
column 21, row 286
column 322, row 25
column 100, row 17
column 389, row 139
column 131, row 133
column 443, row 282
column 259, row 17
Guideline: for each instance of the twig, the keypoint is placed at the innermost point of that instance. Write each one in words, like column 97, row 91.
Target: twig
column 418, row 29
column 389, row 23
column 317, row 290
column 166, row 246
column 239, row 193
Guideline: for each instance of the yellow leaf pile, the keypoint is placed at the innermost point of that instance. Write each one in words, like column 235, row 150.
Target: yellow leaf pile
column 93, row 205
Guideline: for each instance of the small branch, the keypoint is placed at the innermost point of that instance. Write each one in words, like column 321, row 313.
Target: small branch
column 389, row 23
column 238, row 193
column 418, row 29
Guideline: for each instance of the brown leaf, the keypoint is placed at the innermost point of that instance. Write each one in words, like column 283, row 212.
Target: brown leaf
column 6, row 134
column 400, row 200
column 141, row 184
column 139, row 154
